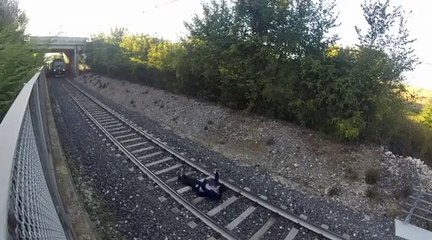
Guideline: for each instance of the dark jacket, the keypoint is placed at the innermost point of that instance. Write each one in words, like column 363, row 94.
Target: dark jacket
column 211, row 188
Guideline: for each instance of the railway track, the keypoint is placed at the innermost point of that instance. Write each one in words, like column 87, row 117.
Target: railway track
column 239, row 215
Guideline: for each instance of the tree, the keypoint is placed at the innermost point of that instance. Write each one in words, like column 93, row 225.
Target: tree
column 17, row 61
column 277, row 58
column 384, row 54
column 246, row 48
column 104, row 54
column 137, row 47
column 387, row 33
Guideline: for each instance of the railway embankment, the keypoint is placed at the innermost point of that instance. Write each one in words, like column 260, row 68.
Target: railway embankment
column 366, row 179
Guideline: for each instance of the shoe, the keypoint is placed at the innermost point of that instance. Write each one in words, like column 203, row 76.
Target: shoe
column 180, row 175
column 216, row 175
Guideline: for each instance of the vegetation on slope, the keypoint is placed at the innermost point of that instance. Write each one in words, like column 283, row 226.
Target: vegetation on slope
column 17, row 62
column 277, row 58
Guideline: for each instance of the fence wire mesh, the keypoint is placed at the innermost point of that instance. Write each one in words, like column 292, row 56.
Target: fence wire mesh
column 32, row 214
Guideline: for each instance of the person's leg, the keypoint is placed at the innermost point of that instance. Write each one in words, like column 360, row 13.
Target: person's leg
column 191, row 182
column 216, row 176
column 221, row 187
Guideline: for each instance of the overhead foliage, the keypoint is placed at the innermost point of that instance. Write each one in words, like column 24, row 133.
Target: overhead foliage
column 17, row 62
column 278, row 58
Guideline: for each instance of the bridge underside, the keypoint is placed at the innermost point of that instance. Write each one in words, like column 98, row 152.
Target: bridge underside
column 70, row 46
column 72, row 66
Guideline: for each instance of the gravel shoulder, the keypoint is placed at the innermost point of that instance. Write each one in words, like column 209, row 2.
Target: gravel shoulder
column 82, row 226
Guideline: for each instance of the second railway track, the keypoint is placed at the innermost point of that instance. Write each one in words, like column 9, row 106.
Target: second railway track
column 161, row 163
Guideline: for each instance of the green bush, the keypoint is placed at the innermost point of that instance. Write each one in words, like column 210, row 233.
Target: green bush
column 425, row 116
column 274, row 58
column 410, row 138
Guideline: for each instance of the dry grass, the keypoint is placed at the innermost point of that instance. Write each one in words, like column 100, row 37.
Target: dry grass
column 372, row 192
column 351, row 173
column 424, row 95
column 334, row 191
column 372, row 176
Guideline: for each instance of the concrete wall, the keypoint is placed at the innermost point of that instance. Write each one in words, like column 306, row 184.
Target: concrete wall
column 411, row 232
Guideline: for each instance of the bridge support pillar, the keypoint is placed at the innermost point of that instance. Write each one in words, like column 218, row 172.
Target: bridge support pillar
column 75, row 63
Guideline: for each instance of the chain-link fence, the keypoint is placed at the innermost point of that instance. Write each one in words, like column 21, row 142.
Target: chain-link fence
column 29, row 203
column 30, row 200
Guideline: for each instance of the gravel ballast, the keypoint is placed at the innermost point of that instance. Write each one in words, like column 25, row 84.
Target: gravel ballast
column 130, row 208
column 283, row 182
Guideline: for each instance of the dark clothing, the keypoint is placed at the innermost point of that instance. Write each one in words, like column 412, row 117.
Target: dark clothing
column 210, row 188
column 191, row 182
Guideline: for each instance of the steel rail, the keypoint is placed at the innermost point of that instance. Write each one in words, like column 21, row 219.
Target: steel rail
column 202, row 216
column 296, row 219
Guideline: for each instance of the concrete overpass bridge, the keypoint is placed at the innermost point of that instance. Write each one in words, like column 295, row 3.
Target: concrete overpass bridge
column 71, row 46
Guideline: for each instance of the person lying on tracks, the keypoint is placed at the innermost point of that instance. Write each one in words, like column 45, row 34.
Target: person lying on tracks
column 210, row 188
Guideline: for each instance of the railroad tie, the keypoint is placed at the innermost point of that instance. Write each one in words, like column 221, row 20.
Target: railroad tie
column 168, row 169
column 240, row 218
column 118, row 128
column 120, row 132
column 126, row 135
column 137, row 144
column 150, row 155
column 158, row 162
column 192, row 224
column 142, row 150
column 222, row 206
column 108, row 121
column 173, row 179
column 130, row 140
column 292, row 233
column 260, row 233
column 197, row 200
column 183, row 190
column 113, row 125
column 103, row 117
column 100, row 113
